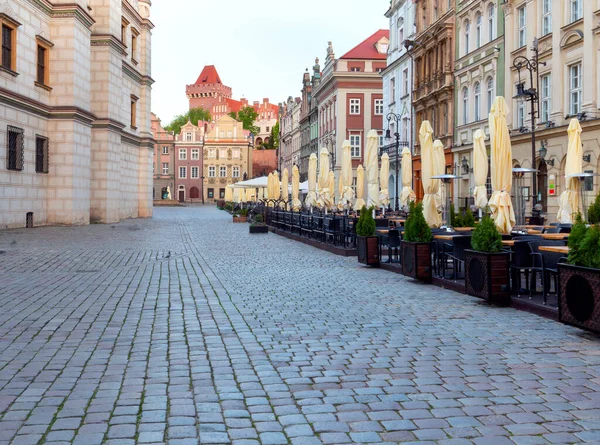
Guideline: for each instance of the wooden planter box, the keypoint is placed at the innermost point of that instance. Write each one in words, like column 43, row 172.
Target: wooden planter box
column 240, row 219
column 487, row 276
column 416, row 260
column 579, row 296
column 259, row 229
column 368, row 250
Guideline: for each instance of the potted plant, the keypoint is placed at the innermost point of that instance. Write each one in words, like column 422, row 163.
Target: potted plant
column 487, row 266
column 258, row 225
column 366, row 241
column 579, row 279
column 241, row 216
column 416, row 245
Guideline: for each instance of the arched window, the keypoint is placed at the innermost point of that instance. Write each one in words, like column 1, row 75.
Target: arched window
column 478, row 30
column 400, row 31
column 477, row 96
column 491, row 22
column 465, row 110
column 467, row 35
column 490, row 93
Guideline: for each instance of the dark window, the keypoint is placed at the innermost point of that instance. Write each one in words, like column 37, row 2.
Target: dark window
column 211, row 193
column 221, row 193
column 589, row 182
column 41, row 65
column 41, row 154
column 7, row 47
column 15, row 148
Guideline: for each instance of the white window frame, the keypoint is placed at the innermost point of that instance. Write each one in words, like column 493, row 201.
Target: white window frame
column 491, row 21
column 188, row 137
column 235, row 153
column 521, row 27
column 405, row 81
column 212, row 153
column 222, row 171
column 355, row 149
column 490, row 88
column 354, row 106
column 183, row 154
column 378, row 107
column 165, row 168
column 222, row 153
column 546, row 17
column 521, row 111
column 575, row 88
column 212, row 171
column 392, row 90
column 165, row 150
column 195, row 154
column 235, row 172
column 545, row 97
column 182, row 172
column 467, row 36
column 575, row 10
column 195, row 172
column 478, row 31
column 465, row 105
column 477, row 101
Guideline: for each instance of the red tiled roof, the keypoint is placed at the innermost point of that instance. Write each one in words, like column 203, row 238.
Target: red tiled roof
column 208, row 75
column 234, row 105
column 367, row 49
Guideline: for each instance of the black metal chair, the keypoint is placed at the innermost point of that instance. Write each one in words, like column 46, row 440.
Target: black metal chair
column 393, row 244
column 565, row 228
column 306, row 225
column 457, row 256
column 522, row 262
column 545, row 263
column 552, row 230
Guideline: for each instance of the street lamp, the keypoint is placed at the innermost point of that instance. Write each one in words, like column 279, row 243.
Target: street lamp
column 396, row 118
column 531, row 94
column 330, row 139
column 543, row 153
column 202, row 179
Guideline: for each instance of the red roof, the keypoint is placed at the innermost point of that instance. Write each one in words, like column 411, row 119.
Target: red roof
column 234, row 105
column 367, row 49
column 208, row 75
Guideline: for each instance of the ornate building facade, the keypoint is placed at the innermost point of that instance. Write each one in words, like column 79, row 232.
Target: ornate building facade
column 433, row 50
column 289, row 142
column 164, row 160
column 309, row 119
column 75, row 87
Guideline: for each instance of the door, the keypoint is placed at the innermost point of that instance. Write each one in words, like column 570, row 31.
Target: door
column 181, row 195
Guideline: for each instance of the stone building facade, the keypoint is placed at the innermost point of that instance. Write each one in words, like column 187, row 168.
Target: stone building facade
column 567, row 86
column 164, row 160
column 309, row 119
column 433, row 50
column 75, row 87
column 289, row 142
column 189, row 162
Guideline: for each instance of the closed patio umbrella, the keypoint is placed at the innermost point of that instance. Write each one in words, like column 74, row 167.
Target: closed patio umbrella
column 428, row 168
column 229, row 193
column 284, row 187
column 348, row 191
column 360, row 188
column 311, row 197
column 296, row 204
column 331, row 186
column 407, row 195
column 340, row 202
column 276, row 185
column 569, row 203
column 384, row 180
column 480, row 169
column 439, row 169
column 500, row 202
column 324, row 190
column 372, row 168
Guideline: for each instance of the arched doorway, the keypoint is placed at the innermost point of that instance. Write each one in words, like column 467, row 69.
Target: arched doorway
column 258, row 142
column 542, row 184
column 194, row 193
column 181, row 193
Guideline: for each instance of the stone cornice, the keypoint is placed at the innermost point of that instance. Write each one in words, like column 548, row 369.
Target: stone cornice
column 109, row 40
column 138, row 77
column 73, row 113
column 142, row 22
column 64, row 10
column 110, row 124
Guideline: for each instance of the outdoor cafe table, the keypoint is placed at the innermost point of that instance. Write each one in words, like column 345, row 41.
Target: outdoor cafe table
column 463, row 229
column 446, row 237
column 557, row 249
column 508, row 242
column 555, row 236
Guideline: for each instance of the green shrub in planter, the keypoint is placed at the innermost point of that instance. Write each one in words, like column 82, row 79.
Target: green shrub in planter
column 469, row 219
column 486, row 237
column 366, row 243
column 416, row 246
column 243, row 212
column 416, row 229
column 594, row 211
column 578, row 232
column 366, row 224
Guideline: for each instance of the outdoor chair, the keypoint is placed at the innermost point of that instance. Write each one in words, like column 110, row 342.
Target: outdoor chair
column 457, row 255
column 546, row 264
column 521, row 262
column 306, row 225
column 552, row 230
column 318, row 230
column 393, row 244
column 296, row 227
column 565, row 228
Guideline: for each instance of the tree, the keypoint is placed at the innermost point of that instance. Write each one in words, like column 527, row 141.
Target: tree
column 194, row 115
column 247, row 116
column 274, row 137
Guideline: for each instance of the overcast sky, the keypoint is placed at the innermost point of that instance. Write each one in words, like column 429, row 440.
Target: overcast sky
column 260, row 48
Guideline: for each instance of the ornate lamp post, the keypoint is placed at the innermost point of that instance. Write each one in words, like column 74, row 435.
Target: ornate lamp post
column 327, row 140
column 396, row 118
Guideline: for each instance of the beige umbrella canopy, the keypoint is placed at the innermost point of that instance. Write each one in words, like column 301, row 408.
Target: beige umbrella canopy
column 569, row 203
column 249, row 194
column 311, row 197
column 384, row 180
column 439, row 169
column 346, row 176
column 270, row 186
column 360, row 188
column 428, row 168
column 340, row 203
column 372, row 167
column 284, row 187
column 331, row 187
column 276, row 185
column 296, row 204
column 480, row 169
column 407, row 194
column 241, row 196
column 500, row 203
column 324, row 190
column 229, row 193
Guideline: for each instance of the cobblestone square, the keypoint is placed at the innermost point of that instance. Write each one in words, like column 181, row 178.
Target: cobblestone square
column 185, row 329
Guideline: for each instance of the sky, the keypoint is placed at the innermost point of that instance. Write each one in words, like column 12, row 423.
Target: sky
column 261, row 48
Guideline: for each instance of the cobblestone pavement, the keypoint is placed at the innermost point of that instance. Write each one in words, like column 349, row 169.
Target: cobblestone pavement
column 185, row 329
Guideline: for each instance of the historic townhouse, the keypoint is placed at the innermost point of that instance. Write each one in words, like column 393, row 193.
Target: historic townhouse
column 309, row 115
column 397, row 82
column 289, row 142
column 566, row 34
column 350, row 97
column 433, row 52
column 479, row 77
column 189, row 162
column 227, row 157
column 75, row 97
column 164, row 160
